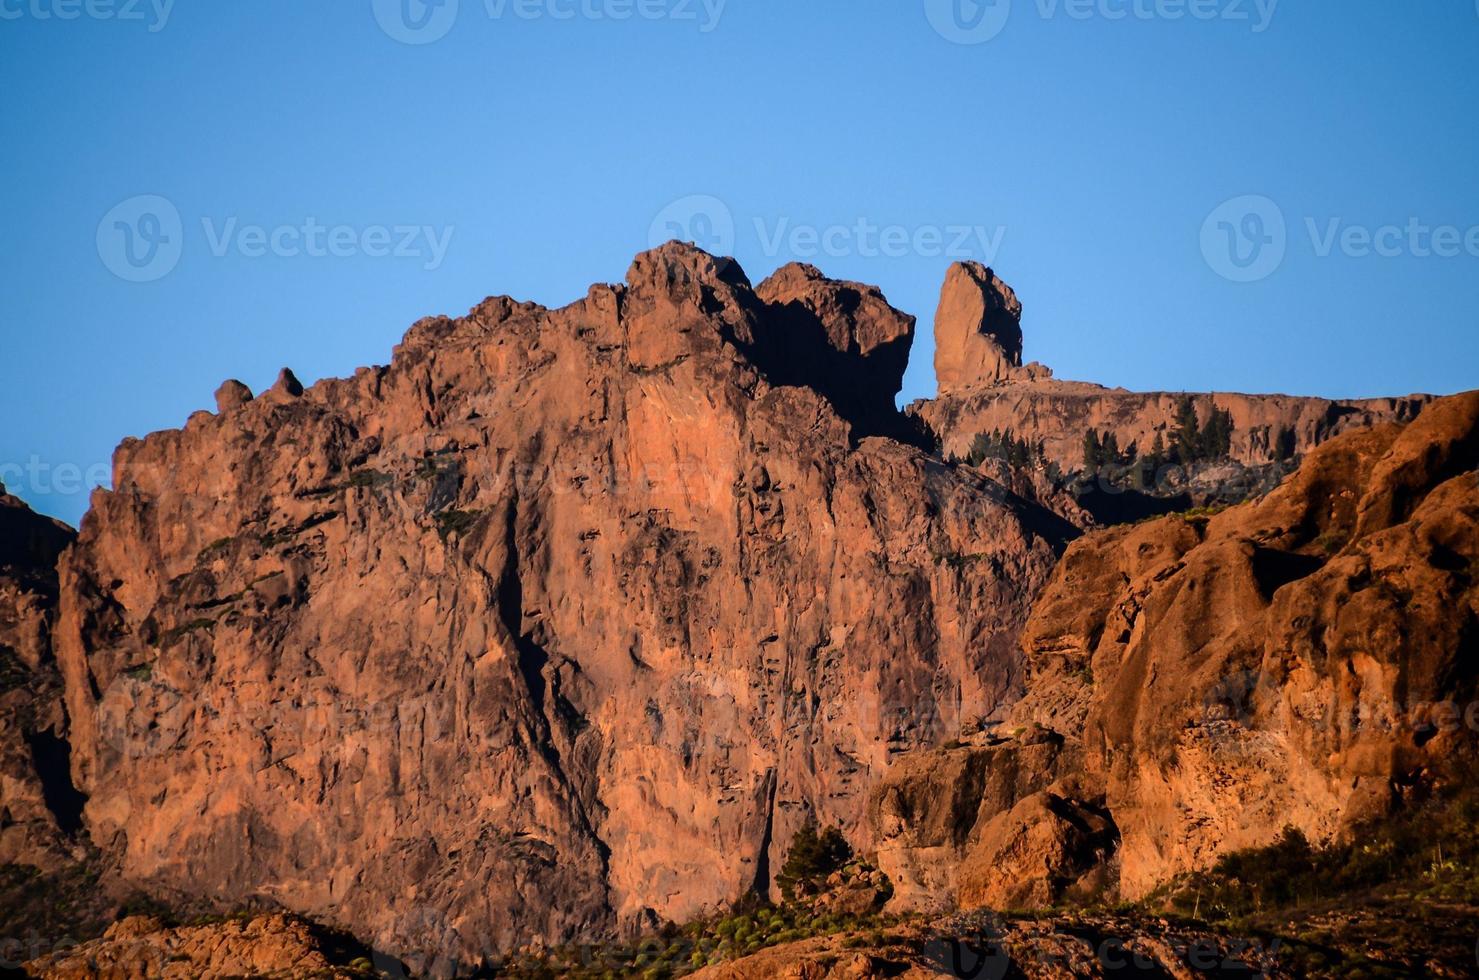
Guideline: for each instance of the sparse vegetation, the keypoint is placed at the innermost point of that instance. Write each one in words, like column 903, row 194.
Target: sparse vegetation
column 1430, row 851
column 212, row 549
column 813, row 856
column 677, row 951
column 1396, row 894
column 957, row 561
column 370, row 478
column 748, row 927
column 456, row 521
column 1006, row 447
column 1199, row 516
column 174, row 635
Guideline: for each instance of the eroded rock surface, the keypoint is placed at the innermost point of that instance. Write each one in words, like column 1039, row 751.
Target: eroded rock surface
column 983, row 387
column 560, row 624
column 274, row 947
column 39, row 810
column 986, row 946
column 1305, row 660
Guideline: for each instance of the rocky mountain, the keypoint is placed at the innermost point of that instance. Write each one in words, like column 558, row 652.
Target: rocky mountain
column 984, row 387
column 1198, row 685
column 560, row 624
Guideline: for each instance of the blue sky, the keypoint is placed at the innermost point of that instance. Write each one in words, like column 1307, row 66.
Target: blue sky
column 332, row 182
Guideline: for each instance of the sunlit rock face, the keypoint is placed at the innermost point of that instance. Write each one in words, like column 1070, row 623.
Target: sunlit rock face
column 559, row 625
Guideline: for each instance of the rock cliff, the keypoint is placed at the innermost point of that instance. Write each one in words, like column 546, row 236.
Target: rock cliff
column 39, row 809
column 983, row 387
column 560, row 624
column 1198, row 684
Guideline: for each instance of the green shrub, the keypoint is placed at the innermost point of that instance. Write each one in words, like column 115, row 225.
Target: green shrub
column 812, row 857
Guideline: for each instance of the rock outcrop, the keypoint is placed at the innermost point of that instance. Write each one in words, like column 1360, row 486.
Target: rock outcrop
column 39, row 809
column 842, row 339
column 978, row 332
column 1036, row 948
column 1308, row 660
column 983, row 387
column 143, row 947
column 559, row 625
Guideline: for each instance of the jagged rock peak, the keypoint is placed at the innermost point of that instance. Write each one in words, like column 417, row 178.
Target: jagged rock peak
column 288, row 383
column 978, row 329
column 857, row 318
column 232, row 394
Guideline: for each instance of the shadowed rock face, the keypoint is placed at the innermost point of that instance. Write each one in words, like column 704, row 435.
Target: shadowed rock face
column 39, row 808
column 842, row 339
column 1309, row 659
column 561, row 623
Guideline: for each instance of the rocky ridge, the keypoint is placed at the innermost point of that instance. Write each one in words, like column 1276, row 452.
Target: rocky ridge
column 983, row 387
column 1196, row 685
column 560, row 624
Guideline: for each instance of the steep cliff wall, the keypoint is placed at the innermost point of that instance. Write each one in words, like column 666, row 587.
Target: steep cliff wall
column 562, row 623
column 39, row 808
column 1196, row 685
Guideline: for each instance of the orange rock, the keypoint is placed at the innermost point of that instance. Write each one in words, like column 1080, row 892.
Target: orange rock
column 1306, row 659
column 562, row 623
column 983, row 387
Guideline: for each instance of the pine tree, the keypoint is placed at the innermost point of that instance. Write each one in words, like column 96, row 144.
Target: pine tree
column 812, row 857
column 1216, row 436
column 1187, row 439
column 1091, row 451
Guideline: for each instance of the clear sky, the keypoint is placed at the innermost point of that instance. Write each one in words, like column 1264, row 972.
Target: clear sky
column 201, row 190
